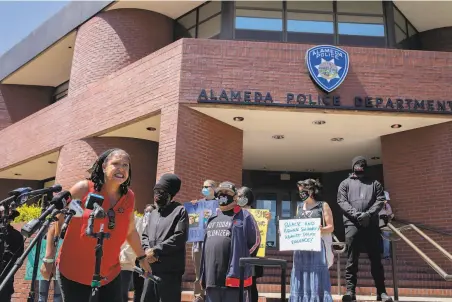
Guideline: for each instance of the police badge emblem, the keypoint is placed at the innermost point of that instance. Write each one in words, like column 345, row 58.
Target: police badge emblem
column 328, row 66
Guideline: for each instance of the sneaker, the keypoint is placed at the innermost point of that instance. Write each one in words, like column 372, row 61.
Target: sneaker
column 349, row 297
column 384, row 297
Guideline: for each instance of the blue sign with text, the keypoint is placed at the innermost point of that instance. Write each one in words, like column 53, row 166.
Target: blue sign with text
column 198, row 214
column 328, row 66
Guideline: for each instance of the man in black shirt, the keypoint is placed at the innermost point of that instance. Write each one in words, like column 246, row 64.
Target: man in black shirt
column 164, row 239
column 13, row 243
column 361, row 199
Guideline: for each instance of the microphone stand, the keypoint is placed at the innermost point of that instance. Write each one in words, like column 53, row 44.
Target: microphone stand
column 31, row 294
column 100, row 236
column 36, row 241
column 3, row 232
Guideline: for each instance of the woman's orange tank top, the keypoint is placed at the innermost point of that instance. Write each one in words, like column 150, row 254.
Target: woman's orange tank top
column 76, row 258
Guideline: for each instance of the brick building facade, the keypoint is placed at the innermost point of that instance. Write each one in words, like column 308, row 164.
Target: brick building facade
column 125, row 72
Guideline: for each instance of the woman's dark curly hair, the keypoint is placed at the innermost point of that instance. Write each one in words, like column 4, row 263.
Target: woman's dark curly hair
column 311, row 185
column 97, row 171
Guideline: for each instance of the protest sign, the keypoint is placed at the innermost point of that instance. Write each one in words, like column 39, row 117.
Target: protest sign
column 198, row 214
column 300, row 235
column 31, row 260
column 261, row 217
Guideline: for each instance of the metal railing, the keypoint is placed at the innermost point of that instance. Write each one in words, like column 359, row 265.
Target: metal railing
column 398, row 232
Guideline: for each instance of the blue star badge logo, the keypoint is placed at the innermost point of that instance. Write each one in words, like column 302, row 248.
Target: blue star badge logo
column 328, row 66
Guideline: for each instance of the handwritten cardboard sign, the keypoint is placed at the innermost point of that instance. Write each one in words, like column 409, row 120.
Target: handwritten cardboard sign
column 300, row 235
column 262, row 223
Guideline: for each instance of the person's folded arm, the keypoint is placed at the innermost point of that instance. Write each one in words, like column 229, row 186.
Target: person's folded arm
column 342, row 199
column 178, row 240
column 380, row 200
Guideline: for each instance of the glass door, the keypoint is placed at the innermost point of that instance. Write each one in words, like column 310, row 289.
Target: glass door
column 269, row 201
column 281, row 206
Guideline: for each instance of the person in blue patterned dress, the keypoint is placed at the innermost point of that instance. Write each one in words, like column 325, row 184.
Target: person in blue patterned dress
column 310, row 278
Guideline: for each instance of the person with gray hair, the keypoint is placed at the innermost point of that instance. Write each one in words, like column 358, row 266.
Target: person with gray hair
column 208, row 191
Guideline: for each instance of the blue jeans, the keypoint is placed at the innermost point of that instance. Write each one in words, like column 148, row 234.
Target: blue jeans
column 386, row 245
column 44, row 291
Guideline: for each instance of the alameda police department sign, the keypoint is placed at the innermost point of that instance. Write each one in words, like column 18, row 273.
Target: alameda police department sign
column 328, row 66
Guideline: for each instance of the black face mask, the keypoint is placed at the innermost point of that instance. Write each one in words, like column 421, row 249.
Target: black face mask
column 304, row 195
column 359, row 169
column 161, row 199
column 224, row 200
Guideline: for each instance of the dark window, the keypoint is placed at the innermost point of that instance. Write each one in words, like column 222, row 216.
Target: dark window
column 406, row 35
column 203, row 22
column 61, row 92
column 259, row 21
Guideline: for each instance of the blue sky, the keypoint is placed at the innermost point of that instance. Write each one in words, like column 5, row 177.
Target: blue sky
column 19, row 18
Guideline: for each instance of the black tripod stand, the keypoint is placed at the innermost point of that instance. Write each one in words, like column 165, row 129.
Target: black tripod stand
column 28, row 229
column 100, row 236
column 31, row 294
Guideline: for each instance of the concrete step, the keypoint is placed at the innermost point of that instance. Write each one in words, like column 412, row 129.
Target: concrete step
column 187, row 296
column 366, row 290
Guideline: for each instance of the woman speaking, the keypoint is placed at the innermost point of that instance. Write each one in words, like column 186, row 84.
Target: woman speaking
column 110, row 178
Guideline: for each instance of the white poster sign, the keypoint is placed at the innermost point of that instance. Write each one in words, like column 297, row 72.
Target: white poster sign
column 300, row 235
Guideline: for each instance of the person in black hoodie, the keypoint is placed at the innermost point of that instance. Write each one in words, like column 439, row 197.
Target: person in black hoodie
column 361, row 199
column 164, row 239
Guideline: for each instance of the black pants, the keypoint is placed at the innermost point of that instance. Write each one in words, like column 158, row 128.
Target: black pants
column 225, row 294
column 168, row 290
column 138, row 284
column 7, row 292
column 126, row 281
column 76, row 292
column 357, row 239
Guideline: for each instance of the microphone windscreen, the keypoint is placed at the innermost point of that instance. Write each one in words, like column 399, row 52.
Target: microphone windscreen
column 57, row 188
column 76, row 206
column 61, row 200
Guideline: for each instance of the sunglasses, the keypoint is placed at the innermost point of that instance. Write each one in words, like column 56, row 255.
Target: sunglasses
column 111, row 219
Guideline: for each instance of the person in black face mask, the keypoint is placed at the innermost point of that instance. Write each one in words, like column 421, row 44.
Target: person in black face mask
column 230, row 235
column 361, row 199
column 164, row 239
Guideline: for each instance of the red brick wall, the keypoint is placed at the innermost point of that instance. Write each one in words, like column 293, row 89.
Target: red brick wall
column 114, row 39
column 20, row 101
column 280, row 68
column 133, row 92
column 197, row 147
column 417, row 172
column 77, row 157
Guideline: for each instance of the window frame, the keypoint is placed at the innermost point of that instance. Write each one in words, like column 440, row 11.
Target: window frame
column 197, row 23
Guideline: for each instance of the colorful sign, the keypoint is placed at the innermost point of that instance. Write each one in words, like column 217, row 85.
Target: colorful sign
column 31, row 260
column 328, row 66
column 300, row 235
column 261, row 217
column 198, row 214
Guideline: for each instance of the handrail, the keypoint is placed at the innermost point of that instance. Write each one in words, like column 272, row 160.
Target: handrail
column 422, row 226
column 343, row 246
column 427, row 259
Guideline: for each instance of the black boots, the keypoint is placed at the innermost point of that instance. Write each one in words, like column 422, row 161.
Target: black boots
column 349, row 297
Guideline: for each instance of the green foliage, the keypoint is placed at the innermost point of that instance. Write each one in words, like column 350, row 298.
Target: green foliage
column 27, row 213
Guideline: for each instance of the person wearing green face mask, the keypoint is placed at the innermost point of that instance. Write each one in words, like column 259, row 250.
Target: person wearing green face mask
column 208, row 191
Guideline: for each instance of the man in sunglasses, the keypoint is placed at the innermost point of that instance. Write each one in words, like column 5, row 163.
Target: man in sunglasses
column 230, row 235
column 164, row 239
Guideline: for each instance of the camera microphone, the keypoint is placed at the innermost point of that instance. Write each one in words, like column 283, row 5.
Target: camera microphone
column 94, row 202
column 74, row 210
column 58, row 202
column 15, row 194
